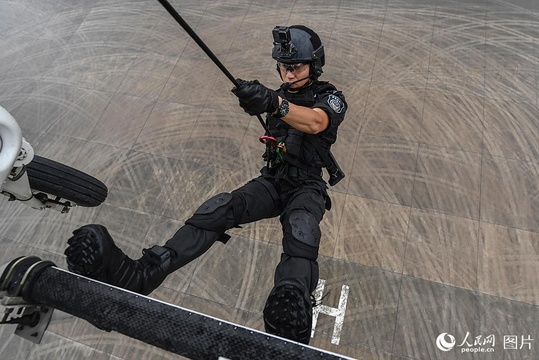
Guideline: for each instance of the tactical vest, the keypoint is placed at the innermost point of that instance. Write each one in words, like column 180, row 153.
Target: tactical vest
column 298, row 152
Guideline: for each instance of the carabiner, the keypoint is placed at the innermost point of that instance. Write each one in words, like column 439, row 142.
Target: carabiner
column 265, row 139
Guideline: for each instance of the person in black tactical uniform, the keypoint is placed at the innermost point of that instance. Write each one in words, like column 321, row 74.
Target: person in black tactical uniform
column 303, row 116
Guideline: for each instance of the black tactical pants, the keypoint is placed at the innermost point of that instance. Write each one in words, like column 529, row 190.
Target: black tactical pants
column 300, row 208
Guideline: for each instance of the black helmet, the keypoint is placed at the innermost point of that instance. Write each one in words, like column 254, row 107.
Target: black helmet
column 298, row 44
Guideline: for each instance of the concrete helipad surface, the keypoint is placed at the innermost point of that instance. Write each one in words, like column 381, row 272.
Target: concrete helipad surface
column 434, row 230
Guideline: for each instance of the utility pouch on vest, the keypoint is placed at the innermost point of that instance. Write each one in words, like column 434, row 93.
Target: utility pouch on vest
column 333, row 168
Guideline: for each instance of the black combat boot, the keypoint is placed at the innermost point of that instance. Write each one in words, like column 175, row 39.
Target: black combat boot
column 92, row 253
column 288, row 313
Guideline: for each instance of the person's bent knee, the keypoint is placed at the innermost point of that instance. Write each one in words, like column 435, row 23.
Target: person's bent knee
column 219, row 213
column 305, row 228
column 301, row 235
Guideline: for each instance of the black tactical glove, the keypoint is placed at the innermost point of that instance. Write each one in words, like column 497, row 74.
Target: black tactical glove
column 255, row 98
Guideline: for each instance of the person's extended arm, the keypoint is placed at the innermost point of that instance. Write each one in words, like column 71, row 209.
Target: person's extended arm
column 307, row 120
column 256, row 99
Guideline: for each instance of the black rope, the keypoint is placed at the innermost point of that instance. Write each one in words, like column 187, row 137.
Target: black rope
column 207, row 50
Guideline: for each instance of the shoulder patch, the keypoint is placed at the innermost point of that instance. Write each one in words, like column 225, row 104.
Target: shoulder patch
column 336, row 103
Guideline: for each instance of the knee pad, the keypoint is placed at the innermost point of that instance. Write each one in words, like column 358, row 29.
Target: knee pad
column 304, row 228
column 217, row 213
column 301, row 235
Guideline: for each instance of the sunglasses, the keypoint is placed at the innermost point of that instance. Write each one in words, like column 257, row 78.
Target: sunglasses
column 292, row 67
